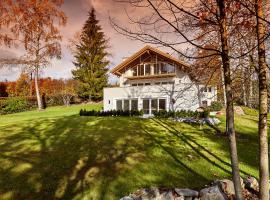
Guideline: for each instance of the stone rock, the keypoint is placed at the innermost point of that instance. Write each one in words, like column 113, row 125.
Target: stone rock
column 180, row 198
column 166, row 196
column 226, row 186
column 186, row 192
column 126, row 198
column 212, row 193
column 251, row 183
column 147, row 194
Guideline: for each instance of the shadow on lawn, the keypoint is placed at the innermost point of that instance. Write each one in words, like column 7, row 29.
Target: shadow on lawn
column 97, row 158
column 60, row 159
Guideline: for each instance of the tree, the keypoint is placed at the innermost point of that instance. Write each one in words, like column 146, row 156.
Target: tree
column 91, row 60
column 22, row 85
column 68, row 90
column 35, row 25
column 263, row 106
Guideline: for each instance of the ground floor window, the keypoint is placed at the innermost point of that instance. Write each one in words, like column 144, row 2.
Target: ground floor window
column 162, row 104
column 152, row 105
column 119, row 105
column 146, row 106
column 134, row 104
column 127, row 104
column 149, row 105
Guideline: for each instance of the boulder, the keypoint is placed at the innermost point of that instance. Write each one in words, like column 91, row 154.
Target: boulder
column 212, row 193
column 186, row 192
column 226, row 186
column 146, row 194
column 251, row 183
column 166, row 196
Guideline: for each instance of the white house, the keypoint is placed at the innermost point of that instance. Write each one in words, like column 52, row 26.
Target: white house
column 152, row 80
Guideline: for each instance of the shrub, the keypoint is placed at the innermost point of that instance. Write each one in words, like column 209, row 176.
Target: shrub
column 14, row 105
column 215, row 106
column 181, row 114
column 178, row 114
column 84, row 112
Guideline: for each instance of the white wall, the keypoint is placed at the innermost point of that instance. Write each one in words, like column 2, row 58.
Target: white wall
column 185, row 95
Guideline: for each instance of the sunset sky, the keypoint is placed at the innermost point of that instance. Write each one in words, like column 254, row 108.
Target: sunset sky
column 76, row 11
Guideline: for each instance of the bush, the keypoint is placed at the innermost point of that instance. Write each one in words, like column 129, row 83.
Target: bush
column 84, row 112
column 14, row 105
column 215, row 106
column 181, row 114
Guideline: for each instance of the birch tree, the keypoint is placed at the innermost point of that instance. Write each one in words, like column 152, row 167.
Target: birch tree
column 35, row 25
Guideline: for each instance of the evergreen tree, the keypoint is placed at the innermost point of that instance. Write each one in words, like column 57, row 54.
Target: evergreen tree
column 91, row 60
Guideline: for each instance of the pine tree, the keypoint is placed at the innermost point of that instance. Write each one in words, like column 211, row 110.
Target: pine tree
column 91, row 60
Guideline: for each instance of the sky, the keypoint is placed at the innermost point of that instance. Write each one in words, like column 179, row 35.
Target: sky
column 76, row 11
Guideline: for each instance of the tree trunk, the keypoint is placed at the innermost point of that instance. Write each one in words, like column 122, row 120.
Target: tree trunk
column 244, row 88
column 223, row 87
column 250, row 86
column 40, row 107
column 229, row 99
column 262, row 125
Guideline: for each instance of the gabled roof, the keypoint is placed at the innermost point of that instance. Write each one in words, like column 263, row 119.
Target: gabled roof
column 116, row 70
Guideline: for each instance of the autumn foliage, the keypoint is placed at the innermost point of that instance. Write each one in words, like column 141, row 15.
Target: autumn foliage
column 57, row 91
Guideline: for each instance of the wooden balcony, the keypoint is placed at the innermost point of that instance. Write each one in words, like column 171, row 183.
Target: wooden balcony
column 152, row 76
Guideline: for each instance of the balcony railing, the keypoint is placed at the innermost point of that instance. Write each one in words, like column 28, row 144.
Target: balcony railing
column 150, row 76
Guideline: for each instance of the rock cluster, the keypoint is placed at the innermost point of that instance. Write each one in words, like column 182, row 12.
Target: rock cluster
column 218, row 190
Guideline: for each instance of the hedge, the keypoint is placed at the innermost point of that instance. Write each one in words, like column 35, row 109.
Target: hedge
column 181, row 114
column 84, row 112
column 158, row 114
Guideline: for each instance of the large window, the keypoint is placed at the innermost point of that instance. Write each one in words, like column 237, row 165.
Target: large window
column 162, row 104
column 147, row 69
column 134, row 104
column 154, row 105
column 146, row 106
column 119, row 105
column 156, row 68
column 126, row 104
column 141, row 70
column 153, row 68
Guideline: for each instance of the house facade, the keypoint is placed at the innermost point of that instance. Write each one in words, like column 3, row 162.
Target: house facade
column 151, row 80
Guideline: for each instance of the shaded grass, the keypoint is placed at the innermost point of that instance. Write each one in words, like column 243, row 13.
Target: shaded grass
column 57, row 154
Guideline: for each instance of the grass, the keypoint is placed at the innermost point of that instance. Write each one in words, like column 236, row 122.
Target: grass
column 56, row 154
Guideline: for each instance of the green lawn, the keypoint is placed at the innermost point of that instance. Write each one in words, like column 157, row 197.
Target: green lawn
column 56, row 154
